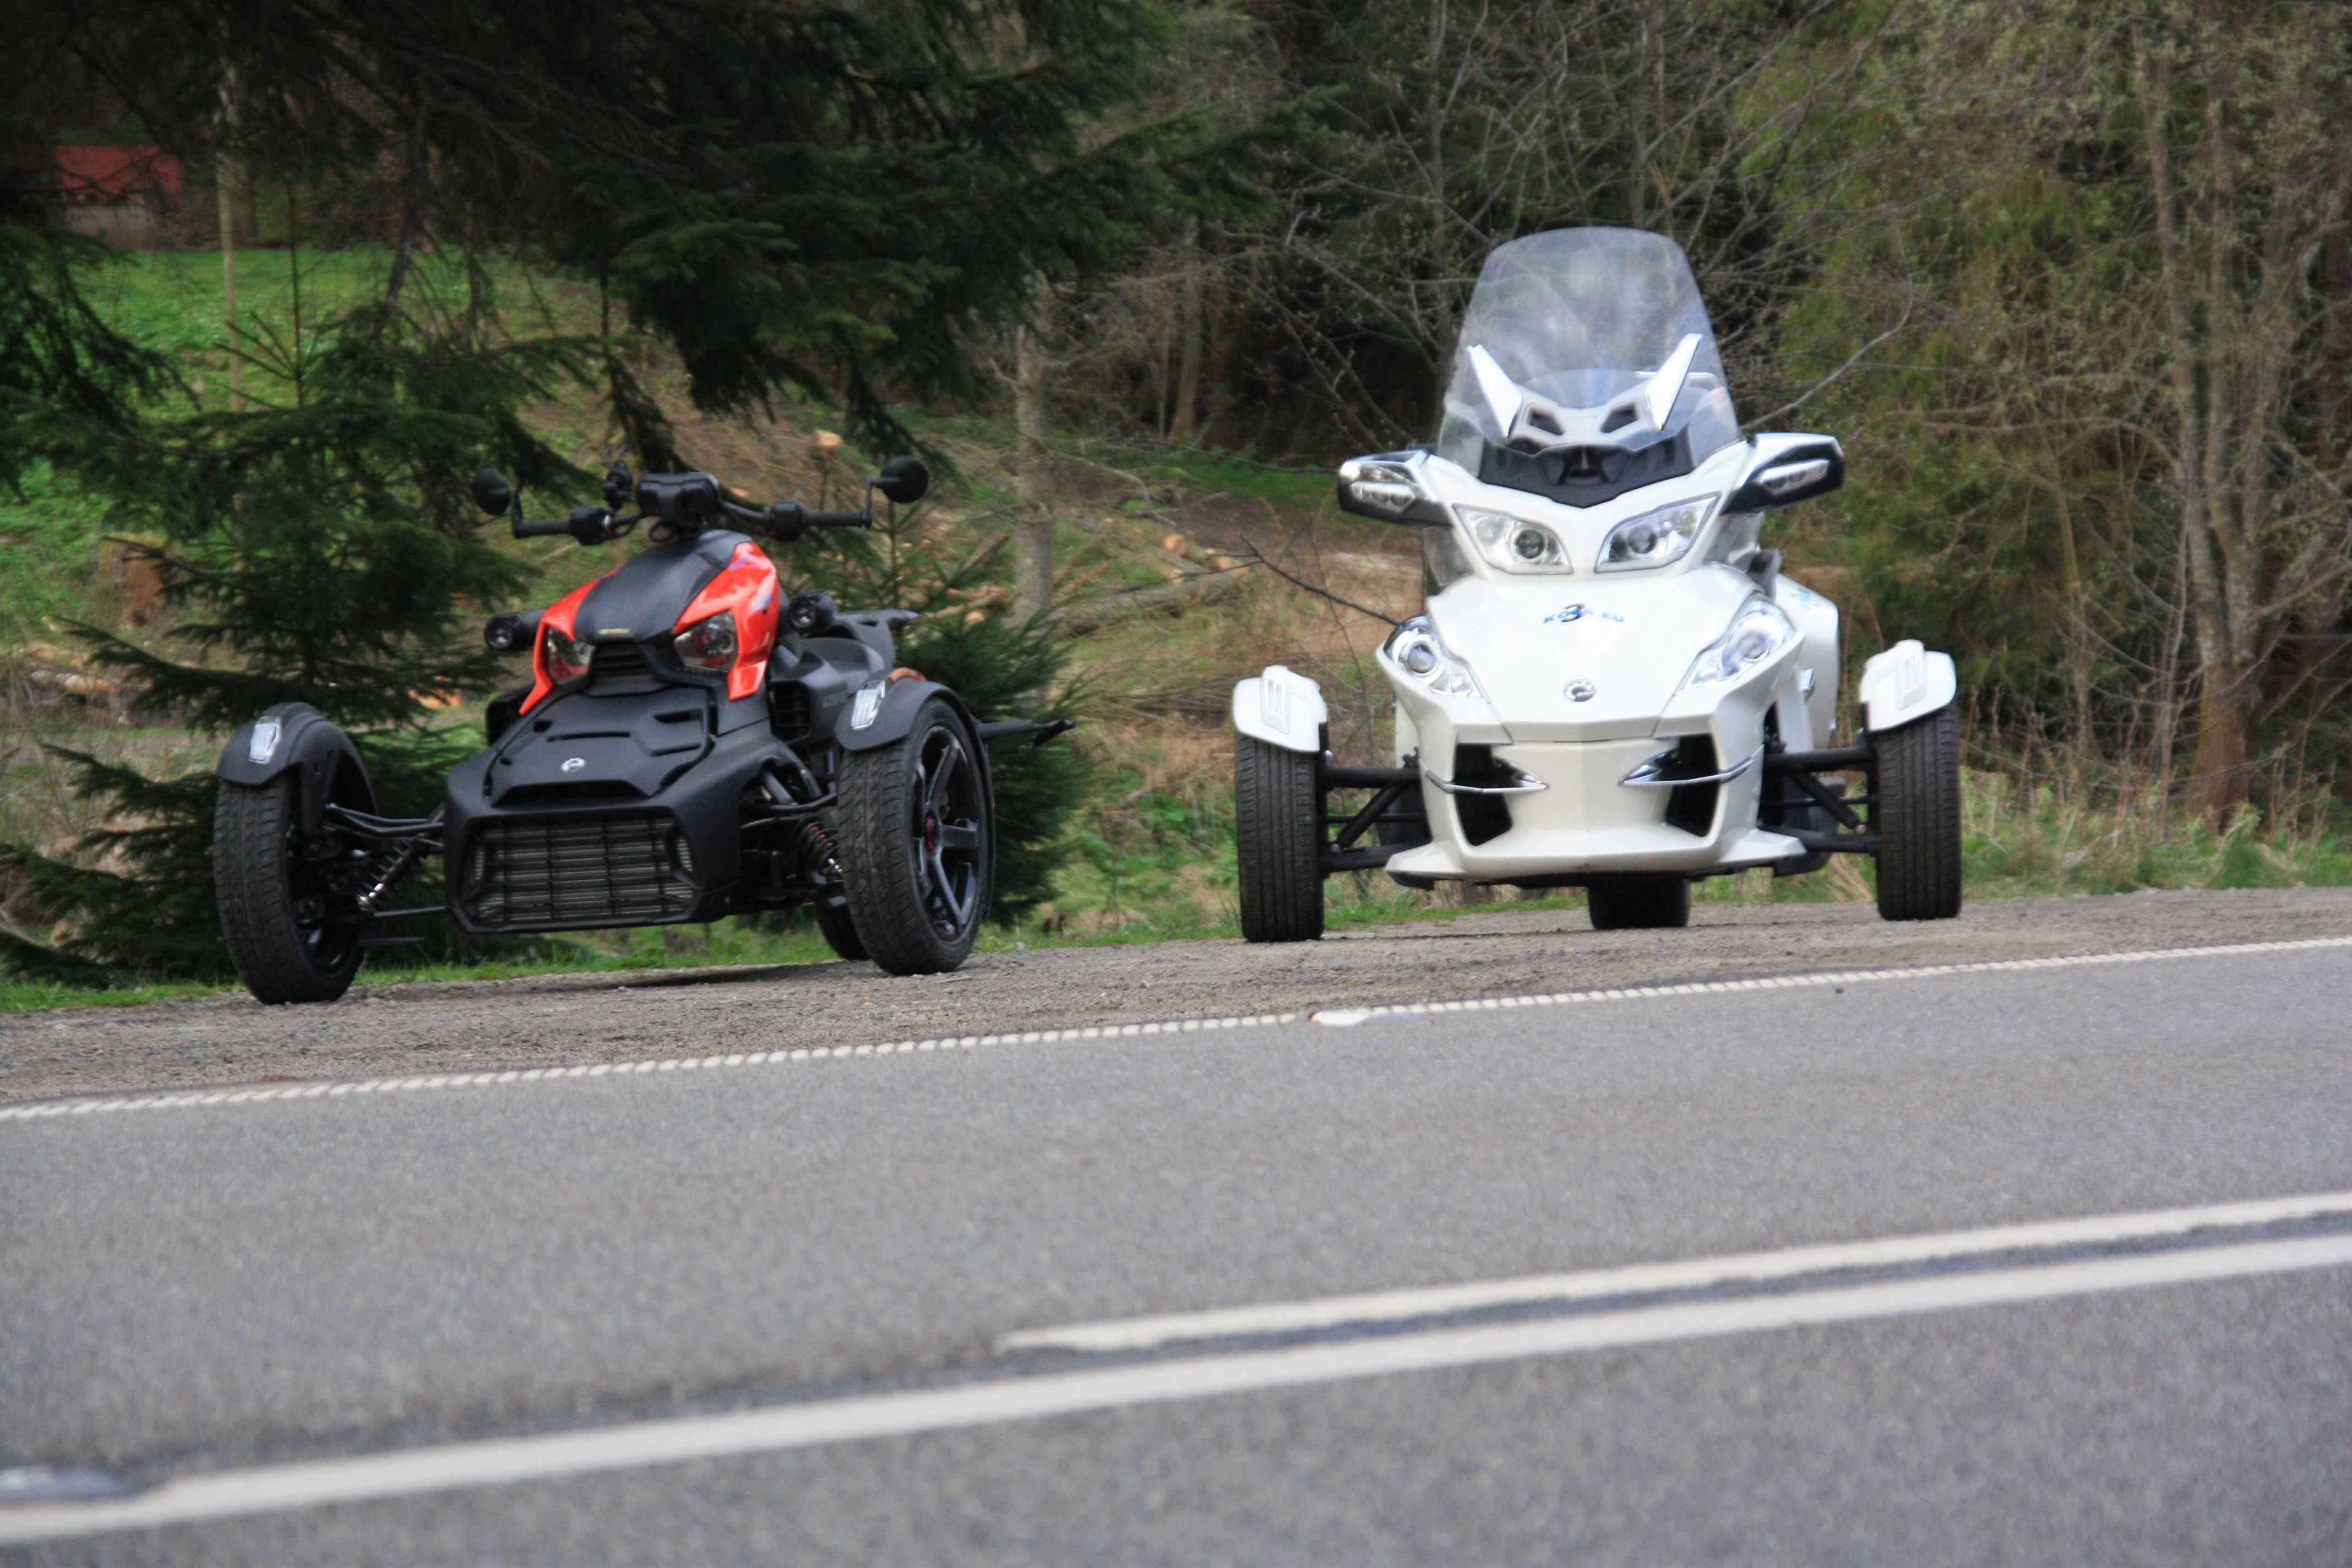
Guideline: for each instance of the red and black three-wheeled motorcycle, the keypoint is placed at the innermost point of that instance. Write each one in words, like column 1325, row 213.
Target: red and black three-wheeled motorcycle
column 690, row 746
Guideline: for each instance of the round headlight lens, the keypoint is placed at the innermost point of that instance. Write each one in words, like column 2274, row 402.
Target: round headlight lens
column 564, row 655
column 710, row 643
column 1514, row 543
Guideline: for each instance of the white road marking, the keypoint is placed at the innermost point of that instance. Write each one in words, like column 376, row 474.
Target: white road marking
column 278, row 1489
column 43, row 1109
column 1375, row 1307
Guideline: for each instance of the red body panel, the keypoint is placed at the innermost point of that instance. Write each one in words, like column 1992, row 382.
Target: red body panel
column 748, row 587
column 559, row 615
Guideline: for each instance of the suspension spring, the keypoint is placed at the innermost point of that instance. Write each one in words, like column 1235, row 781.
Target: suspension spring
column 816, row 852
column 404, row 861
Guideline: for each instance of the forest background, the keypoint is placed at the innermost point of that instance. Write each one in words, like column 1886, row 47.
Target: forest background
column 2072, row 282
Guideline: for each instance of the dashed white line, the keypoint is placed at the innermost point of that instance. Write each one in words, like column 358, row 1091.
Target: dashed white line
column 278, row 1489
column 107, row 1104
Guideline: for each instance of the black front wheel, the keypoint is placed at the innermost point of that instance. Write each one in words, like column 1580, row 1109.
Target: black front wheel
column 274, row 902
column 917, row 845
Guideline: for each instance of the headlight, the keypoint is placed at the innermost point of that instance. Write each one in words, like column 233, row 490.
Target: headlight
column 565, row 657
column 709, row 644
column 1759, row 631
column 1415, row 648
column 1514, row 543
column 1654, row 538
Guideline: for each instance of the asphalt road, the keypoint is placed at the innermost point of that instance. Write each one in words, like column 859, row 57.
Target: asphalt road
column 566, row 1018
column 818, row 1260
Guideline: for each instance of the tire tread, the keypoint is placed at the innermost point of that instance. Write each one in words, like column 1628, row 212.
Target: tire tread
column 886, row 900
column 256, row 908
column 1918, row 819
column 1278, row 842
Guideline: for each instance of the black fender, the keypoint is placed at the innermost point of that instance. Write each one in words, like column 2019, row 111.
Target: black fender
column 896, row 718
column 307, row 743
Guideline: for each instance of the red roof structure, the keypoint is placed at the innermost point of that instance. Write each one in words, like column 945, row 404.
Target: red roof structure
column 118, row 175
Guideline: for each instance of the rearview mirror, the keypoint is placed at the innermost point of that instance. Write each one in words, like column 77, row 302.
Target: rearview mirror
column 1785, row 469
column 904, row 479
column 492, row 493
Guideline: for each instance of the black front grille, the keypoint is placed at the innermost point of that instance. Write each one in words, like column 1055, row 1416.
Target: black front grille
column 565, row 872
column 789, row 712
column 621, row 667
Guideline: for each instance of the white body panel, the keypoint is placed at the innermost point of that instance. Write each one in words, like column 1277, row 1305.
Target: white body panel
column 1580, row 677
column 1904, row 683
column 1282, row 708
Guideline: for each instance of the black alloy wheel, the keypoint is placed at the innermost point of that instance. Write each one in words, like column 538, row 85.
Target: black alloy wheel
column 917, row 844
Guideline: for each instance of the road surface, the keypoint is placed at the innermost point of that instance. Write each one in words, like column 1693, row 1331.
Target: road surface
column 1962, row 1258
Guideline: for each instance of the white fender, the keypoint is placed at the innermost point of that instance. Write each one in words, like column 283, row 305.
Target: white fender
column 1282, row 708
column 1904, row 683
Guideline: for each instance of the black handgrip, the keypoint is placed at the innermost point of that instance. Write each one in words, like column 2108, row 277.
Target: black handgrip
column 540, row 527
column 837, row 519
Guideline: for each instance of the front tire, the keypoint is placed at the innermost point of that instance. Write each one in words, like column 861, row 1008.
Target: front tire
column 272, row 910
column 1278, row 841
column 1638, row 902
column 1917, row 816
column 917, row 845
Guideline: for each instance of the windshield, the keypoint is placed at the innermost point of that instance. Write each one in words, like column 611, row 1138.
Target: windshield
column 1578, row 317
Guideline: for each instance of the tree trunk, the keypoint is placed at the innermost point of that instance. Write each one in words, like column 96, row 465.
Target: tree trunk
column 226, row 177
column 1184, row 425
column 1033, row 415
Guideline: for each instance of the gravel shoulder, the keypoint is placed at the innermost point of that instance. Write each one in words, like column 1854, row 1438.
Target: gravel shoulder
column 559, row 1020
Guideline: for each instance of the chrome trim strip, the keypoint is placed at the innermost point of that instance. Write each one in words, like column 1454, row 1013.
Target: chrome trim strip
column 1530, row 783
column 1647, row 775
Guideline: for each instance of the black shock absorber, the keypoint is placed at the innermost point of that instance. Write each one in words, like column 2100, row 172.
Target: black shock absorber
column 817, row 853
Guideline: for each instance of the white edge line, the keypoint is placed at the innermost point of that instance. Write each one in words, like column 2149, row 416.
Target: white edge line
column 275, row 1488
column 39, row 1111
column 1373, row 1307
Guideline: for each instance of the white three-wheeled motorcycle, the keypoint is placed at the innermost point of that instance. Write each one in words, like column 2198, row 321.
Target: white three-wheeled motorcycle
column 1613, row 686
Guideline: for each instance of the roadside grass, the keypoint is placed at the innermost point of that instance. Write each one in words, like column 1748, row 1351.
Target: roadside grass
column 1159, row 866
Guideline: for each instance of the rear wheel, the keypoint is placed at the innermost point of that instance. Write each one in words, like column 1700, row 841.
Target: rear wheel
column 1278, row 840
column 840, row 929
column 1917, row 817
column 918, row 846
column 1638, row 903
column 273, row 898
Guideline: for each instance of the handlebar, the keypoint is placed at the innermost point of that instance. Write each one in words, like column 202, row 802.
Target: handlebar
column 686, row 503
column 788, row 519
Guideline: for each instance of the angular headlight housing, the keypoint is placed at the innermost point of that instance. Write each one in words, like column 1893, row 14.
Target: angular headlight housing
column 563, row 656
column 1515, row 543
column 1388, row 487
column 710, row 643
column 1654, row 538
column 1416, row 649
column 1760, row 630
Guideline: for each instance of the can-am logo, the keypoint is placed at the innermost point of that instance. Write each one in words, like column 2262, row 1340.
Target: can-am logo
column 573, row 764
column 1569, row 613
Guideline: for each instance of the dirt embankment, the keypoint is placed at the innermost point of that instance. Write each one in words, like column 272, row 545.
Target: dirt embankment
column 563, row 1019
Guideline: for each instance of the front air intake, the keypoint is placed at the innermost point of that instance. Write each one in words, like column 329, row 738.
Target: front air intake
column 565, row 873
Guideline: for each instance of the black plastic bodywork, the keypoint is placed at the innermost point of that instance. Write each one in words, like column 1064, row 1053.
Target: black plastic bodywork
column 647, row 596
column 1585, row 476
